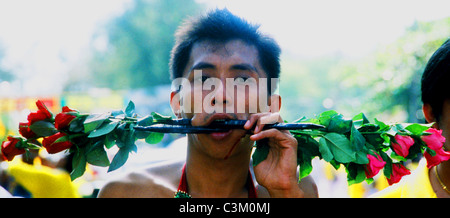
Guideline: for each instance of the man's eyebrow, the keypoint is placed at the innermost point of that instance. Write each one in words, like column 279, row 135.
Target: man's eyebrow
column 244, row 66
column 203, row 65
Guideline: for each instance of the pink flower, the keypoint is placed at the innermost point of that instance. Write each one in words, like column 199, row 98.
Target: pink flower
column 398, row 171
column 435, row 142
column 403, row 144
column 374, row 166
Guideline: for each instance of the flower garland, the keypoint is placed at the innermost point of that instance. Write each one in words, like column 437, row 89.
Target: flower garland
column 362, row 147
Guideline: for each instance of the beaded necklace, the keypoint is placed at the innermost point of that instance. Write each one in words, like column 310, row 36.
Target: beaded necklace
column 182, row 191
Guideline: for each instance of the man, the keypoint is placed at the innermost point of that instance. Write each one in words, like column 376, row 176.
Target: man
column 431, row 182
column 222, row 46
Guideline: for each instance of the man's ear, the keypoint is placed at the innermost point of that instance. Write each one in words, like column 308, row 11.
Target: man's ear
column 175, row 103
column 275, row 103
column 429, row 116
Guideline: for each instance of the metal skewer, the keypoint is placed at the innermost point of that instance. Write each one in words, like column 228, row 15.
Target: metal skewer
column 184, row 126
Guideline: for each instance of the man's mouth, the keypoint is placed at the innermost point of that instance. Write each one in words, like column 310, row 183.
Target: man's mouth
column 219, row 118
column 220, row 135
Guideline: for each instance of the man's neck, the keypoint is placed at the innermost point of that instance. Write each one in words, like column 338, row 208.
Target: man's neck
column 210, row 177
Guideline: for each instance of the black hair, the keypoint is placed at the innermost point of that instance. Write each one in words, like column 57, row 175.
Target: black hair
column 220, row 25
column 436, row 79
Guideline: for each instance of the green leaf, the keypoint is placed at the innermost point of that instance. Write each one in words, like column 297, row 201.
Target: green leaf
column 77, row 124
column 387, row 170
column 20, row 143
column 417, row 129
column 376, row 140
column 145, row 121
column 308, row 148
column 118, row 113
column 360, row 120
column 336, row 165
column 154, row 137
column 430, row 151
column 305, row 167
column 78, row 163
column 339, row 125
column 126, row 137
column 325, row 150
column 357, row 139
column 43, row 128
column 361, row 157
column 261, row 152
column 104, row 129
column 340, row 147
column 110, row 140
column 325, row 117
column 307, row 144
column 119, row 159
column 97, row 156
column 129, row 111
column 158, row 116
column 62, row 139
column 355, row 173
column 382, row 125
column 369, row 127
column 93, row 121
column 29, row 145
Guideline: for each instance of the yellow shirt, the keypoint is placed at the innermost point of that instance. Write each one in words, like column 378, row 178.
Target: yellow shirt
column 42, row 181
column 415, row 185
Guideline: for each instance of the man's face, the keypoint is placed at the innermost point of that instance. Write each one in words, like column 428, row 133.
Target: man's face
column 233, row 59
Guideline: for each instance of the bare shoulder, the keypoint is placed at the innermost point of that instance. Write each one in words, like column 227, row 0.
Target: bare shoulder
column 158, row 180
column 309, row 187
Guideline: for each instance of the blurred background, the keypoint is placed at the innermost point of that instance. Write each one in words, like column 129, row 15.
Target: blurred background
column 350, row 56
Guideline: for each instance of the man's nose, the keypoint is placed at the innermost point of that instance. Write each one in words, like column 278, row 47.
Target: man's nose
column 223, row 97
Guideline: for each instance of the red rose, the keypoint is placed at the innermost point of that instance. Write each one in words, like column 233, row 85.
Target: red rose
column 374, row 166
column 25, row 131
column 435, row 160
column 56, row 143
column 435, row 142
column 9, row 150
column 63, row 119
column 402, row 145
column 42, row 114
column 398, row 171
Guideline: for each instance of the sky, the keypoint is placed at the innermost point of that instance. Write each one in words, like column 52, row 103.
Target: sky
column 41, row 40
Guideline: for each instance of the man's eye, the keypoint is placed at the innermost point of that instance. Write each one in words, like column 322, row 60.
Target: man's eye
column 204, row 78
column 241, row 78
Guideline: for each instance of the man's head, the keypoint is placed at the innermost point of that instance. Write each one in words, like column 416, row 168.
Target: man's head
column 435, row 90
column 222, row 46
column 436, row 80
column 221, row 26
